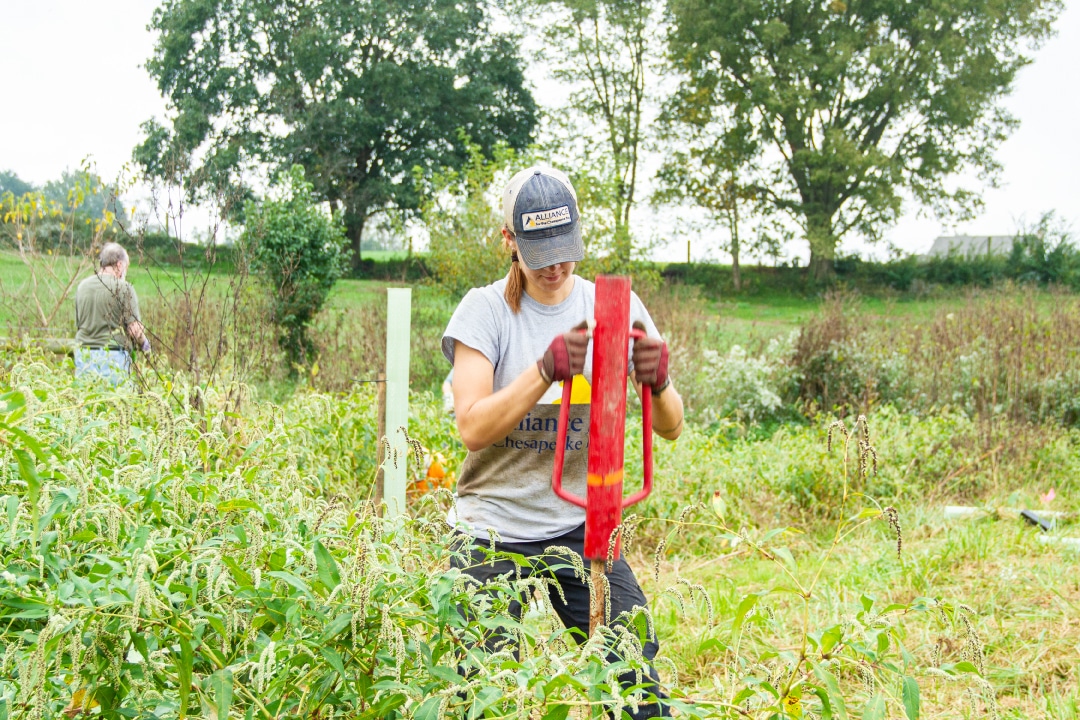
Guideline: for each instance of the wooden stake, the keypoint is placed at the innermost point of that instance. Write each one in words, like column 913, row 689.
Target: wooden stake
column 599, row 594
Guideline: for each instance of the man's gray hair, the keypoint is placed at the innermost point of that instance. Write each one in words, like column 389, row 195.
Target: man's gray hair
column 112, row 254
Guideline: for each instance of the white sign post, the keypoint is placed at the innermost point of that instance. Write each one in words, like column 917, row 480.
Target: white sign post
column 398, row 333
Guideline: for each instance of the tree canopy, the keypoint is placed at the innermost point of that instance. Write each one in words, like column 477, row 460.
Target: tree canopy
column 601, row 51
column 358, row 93
column 10, row 182
column 861, row 100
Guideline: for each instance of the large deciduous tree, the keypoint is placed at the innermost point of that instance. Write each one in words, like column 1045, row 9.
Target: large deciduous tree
column 360, row 93
column 862, row 99
column 601, row 51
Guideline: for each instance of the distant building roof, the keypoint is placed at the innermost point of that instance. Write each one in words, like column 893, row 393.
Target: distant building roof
column 971, row 245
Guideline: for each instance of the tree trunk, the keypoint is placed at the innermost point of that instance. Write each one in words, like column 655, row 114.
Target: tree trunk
column 733, row 220
column 821, row 267
column 822, row 246
column 354, row 231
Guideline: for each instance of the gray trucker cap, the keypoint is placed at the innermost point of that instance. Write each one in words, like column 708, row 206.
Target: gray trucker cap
column 540, row 206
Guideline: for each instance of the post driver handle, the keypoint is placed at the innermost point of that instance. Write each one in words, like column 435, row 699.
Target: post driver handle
column 646, row 445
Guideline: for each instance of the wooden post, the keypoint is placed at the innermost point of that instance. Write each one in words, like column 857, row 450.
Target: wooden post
column 599, row 597
column 687, row 252
column 398, row 332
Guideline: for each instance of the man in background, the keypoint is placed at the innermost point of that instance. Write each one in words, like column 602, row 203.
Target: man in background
column 107, row 318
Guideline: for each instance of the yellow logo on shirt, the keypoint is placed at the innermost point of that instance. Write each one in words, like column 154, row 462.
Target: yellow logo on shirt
column 580, row 392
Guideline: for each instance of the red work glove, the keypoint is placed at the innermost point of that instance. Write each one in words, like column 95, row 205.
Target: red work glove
column 565, row 356
column 650, row 357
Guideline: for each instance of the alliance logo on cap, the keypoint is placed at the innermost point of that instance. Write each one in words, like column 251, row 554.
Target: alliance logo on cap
column 546, row 218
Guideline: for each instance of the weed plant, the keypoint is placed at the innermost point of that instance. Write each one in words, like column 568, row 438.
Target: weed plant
column 1004, row 355
column 164, row 558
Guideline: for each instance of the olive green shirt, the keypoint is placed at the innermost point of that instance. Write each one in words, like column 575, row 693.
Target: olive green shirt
column 104, row 307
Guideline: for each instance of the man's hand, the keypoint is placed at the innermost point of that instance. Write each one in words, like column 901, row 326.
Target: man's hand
column 565, row 356
column 650, row 356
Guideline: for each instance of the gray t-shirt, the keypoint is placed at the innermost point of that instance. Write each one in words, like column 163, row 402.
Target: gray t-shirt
column 507, row 486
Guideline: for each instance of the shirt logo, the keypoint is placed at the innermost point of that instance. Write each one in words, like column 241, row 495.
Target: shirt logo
column 546, row 218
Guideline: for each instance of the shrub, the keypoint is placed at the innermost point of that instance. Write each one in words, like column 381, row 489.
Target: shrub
column 463, row 217
column 300, row 252
column 745, row 387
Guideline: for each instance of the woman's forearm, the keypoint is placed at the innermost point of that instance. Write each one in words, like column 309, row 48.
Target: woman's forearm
column 488, row 419
column 667, row 408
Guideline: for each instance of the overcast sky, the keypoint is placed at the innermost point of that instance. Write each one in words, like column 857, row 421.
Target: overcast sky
column 74, row 87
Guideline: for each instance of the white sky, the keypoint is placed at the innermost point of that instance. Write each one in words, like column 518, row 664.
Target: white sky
column 74, row 87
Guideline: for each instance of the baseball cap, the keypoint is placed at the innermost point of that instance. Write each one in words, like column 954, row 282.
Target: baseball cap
column 540, row 205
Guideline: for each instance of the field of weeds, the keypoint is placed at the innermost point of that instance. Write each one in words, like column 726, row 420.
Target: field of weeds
column 168, row 558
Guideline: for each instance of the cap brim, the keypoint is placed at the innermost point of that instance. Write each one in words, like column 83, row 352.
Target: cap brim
column 539, row 253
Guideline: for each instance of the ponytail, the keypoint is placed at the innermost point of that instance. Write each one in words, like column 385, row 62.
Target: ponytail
column 515, row 283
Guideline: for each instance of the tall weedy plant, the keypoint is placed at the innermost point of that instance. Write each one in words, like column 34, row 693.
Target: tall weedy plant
column 848, row 653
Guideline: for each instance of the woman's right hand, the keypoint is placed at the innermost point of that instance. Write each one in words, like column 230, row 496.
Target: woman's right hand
column 565, row 356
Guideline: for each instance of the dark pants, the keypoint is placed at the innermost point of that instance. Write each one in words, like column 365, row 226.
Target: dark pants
column 624, row 595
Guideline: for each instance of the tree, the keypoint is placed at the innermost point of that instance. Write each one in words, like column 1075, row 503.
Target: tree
column 12, row 183
column 83, row 193
column 463, row 217
column 713, row 166
column 358, row 93
column 862, row 100
column 602, row 50
column 299, row 250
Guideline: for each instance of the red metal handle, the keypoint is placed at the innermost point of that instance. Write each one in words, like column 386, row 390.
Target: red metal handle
column 560, row 449
column 646, row 445
column 646, row 440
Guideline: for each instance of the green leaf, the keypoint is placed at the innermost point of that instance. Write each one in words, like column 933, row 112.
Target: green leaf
column 744, row 607
column 830, row 638
column 328, row 569
column 291, row 580
column 221, row 687
column 12, row 510
column 558, row 712
column 773, row 533
column 237, row 504
column 239, row 574
column 874, row 708
column 140, row 645
column 446, row 674
column 429, row 709
column 826, row 705
column 27, row 440
column 832, row 689
column 184, row 662
column 786, row 556
column 28, row 472
column 910, row 696
column 334, row 658
column 336, row 626
column 485, row 698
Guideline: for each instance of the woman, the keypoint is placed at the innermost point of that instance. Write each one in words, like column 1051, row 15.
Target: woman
column 511, row 344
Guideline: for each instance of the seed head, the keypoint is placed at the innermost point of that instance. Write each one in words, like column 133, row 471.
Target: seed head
column 892, row 516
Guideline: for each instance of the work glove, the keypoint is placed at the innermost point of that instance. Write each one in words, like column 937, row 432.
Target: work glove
column 146, row 346
column 650, row 357
column 565, row 356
